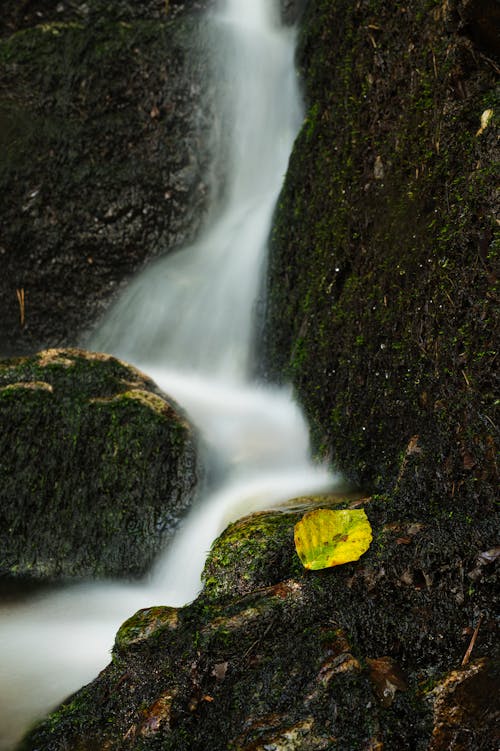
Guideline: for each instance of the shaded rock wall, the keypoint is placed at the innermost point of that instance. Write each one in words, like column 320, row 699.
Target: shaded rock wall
column 381, row 291
column 105, row 156
column 96, row 467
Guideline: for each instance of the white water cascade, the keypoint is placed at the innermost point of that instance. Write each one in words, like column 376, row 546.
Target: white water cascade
column 187, row 322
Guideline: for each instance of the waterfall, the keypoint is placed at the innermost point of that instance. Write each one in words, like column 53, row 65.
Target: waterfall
column 187, row 321
column 193, row 310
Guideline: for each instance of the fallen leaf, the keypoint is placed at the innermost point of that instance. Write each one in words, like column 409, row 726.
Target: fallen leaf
column 386, row 677
column 488, row 556
column 325, row 538
column 219, row 671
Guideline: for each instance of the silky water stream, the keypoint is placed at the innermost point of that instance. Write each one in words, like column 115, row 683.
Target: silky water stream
column 187, row 322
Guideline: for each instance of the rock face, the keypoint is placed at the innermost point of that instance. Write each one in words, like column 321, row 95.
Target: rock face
column 362, row 656
column 381, row 296
column 105, row 135
column 96, row 467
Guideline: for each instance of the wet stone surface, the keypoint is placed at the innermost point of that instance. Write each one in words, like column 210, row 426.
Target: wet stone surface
column 347, row 658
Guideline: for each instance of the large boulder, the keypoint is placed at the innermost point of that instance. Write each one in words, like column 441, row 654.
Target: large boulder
column 363, row 656
column 106, row 121
column 381, row 294
column 96, row 467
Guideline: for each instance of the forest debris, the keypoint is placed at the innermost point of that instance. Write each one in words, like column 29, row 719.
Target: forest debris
column 483, row 559
column 378, row 168
column 472, row 642
column 219, row 671
column 412, row 449
column 485, row 120
column 488, row 556
column 157, row 715
column 20, row 300
column 468, row 460
column 415, row 528
column 386, row 677
column 465, row 705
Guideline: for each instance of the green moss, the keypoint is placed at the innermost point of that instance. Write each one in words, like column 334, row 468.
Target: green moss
column 253, row 551
column 97, row 466
column 144, row 624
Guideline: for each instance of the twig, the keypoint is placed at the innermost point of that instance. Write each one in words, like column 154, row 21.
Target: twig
column 20, row 300
column 472, row 642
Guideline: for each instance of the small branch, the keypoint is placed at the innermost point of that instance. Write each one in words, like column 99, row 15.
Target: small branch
column 20, row 300
column 472, row 642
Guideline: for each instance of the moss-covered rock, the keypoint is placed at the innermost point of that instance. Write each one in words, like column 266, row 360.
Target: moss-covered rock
column 350, row 658
column 253, row 552
column 96, row 467
column 105, row 142
column 382, row 298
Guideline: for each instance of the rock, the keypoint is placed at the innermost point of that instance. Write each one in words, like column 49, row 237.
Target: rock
column 271, row 656
column 381, row 281
column 254, row 552
column 466, row 708
column 105, row 121
column 292, row 10
column 145, row 623
column 481, row 22
column 97, row 467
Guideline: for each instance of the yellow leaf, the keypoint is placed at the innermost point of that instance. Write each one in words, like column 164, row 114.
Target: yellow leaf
column 325, row 538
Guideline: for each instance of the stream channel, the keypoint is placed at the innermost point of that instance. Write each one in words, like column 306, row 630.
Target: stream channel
column 187, row 322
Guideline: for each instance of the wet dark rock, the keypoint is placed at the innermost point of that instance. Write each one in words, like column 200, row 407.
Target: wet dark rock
column 292, row 10
column 105, row 132
column 271, row 656
column 381, row 284
column 481, row 23
column 253, row 552
column 466, row 714
column 97, row 467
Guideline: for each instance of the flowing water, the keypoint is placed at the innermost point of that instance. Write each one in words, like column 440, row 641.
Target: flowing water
column 187, row 322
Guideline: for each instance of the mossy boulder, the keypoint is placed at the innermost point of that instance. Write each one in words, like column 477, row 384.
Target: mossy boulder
column 96, row 467
column 105, row 152
column 382, row 295
column 271, row 656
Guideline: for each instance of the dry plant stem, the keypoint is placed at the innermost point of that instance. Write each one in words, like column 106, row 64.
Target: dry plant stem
column 20, row 299
column 472, row 642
